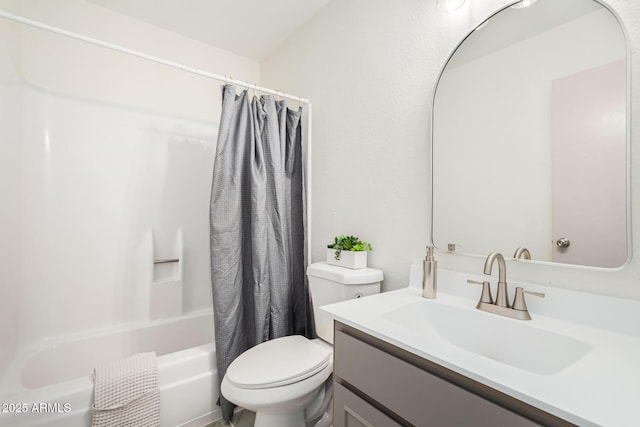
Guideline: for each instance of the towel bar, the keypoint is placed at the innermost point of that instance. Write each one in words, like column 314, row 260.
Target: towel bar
column 165, row 261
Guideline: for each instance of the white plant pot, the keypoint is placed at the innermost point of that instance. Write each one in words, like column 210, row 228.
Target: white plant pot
column 348, row 259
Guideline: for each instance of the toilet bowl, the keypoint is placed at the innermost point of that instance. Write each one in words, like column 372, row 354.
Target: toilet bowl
column 278, row 379
column 284, row 380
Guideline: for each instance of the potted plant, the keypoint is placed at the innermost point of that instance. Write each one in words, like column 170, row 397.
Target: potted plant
column 348, row 251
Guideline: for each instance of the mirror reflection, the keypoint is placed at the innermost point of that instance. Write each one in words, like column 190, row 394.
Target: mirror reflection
column 530, row 137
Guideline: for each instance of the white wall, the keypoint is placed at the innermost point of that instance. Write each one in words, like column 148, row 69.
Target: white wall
column 75, row 68
column 107, row 163
column 362, row 65
column 369, row 67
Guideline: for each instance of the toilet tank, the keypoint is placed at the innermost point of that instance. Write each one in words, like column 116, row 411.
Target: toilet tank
column 329, row 284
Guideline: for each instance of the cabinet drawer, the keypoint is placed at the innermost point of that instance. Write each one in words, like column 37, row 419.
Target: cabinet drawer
column 412, row 393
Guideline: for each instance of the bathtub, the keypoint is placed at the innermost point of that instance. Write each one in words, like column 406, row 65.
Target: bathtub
column 52, row 385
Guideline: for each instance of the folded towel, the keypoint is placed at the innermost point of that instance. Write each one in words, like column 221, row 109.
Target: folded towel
column 126, row 393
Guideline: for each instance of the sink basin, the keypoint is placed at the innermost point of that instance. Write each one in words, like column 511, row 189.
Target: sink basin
column 513, row 342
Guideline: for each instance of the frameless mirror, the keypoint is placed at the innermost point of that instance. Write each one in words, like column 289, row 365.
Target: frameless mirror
column 530, row 137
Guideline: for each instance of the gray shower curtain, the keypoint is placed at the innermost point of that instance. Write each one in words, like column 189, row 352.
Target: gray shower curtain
column 257, row 228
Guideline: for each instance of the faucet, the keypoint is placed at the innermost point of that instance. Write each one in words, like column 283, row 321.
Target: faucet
column 501, row 306
column 502, row 300
column 522, row 253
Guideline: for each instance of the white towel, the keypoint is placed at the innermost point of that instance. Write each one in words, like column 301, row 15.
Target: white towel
column 126, row 393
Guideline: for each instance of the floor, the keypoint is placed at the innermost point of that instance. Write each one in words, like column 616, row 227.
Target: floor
column 242, row 418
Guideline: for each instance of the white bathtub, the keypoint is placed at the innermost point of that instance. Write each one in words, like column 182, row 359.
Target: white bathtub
column 52, row 385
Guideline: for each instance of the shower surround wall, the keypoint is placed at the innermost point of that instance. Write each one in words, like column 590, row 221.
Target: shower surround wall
column 106, row 162
column 11, row 246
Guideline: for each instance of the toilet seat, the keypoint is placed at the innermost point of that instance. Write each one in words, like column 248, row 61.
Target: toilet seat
column 278, row 362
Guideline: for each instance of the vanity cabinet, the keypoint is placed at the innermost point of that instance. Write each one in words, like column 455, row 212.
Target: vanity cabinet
column 378, row 384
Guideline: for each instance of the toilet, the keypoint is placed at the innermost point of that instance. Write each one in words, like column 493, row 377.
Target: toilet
column 284, row 380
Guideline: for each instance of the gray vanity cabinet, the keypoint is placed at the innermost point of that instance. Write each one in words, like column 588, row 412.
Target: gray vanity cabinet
column 378, row 384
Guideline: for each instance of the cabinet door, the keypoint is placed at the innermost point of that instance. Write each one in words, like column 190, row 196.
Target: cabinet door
column 351, row 411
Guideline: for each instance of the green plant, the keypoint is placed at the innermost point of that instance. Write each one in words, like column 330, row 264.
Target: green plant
column 348, row 243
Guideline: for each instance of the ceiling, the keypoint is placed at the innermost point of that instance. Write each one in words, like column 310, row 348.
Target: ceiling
column 250, row 28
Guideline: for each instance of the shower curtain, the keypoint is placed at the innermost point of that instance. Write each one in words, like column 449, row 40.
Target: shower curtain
column 257, row 228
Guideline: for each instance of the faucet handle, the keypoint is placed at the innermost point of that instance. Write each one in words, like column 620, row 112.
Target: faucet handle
column 486, row 290
column 518, row 300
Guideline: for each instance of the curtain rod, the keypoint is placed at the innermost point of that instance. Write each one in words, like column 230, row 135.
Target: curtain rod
column 148, row 57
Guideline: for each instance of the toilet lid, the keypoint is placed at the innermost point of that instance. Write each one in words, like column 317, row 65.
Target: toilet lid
column 278, row 362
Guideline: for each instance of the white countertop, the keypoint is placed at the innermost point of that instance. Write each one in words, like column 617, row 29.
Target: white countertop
column 601, row 388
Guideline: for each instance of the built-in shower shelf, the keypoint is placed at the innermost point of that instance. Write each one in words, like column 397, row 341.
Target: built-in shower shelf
column 166, row 288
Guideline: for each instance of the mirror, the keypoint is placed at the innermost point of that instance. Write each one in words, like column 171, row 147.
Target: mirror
column 530, row 137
